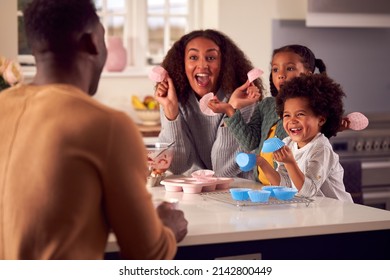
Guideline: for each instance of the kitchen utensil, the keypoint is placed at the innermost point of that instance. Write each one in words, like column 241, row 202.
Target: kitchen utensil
column 271, row 189
column 166, row 148
column 203, row 104
column 285, row 193
column 272, row 144
column 254, row 74
column 239, row 193
column 259, row 195
column 246, row 161
column 358, row 121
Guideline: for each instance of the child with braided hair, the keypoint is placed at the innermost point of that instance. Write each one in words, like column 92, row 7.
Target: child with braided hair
column 287, row 62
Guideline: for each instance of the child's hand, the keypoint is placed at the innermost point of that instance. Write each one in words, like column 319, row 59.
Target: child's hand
column 260, row 161
column 221, row 107
column 245, row 95
column 284, row 155
column 345, row 122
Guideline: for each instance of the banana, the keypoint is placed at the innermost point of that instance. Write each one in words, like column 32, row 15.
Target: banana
column 137, row 103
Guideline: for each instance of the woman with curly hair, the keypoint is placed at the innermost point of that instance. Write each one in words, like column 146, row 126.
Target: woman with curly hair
column 311, row 107
column 201, row 62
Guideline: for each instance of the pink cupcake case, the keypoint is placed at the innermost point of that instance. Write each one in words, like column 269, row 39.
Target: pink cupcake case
column 196, row 185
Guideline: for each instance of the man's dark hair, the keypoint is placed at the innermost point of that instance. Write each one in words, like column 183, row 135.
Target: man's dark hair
column 53, row 25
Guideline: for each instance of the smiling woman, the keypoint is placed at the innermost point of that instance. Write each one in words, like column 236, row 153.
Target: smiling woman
column 201, row 62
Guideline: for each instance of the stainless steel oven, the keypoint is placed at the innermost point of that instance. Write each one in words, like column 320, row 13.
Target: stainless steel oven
column 371, row 148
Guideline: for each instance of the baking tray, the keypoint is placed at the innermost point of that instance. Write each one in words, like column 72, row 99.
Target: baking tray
column 224, row 196
column 196, row 185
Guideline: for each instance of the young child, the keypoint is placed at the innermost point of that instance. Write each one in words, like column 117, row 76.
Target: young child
column 311, row 107
column 287, row 62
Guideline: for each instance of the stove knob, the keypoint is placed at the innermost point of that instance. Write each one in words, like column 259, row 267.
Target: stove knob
column 385, row 145
column 367, row 146
column 377, row 145
column 359, row 146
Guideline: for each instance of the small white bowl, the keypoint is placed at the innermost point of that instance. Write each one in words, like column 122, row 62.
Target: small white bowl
column 148, row 117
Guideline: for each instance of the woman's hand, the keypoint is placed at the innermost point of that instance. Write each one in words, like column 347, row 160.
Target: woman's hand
column 245, row 95
column 166, row 95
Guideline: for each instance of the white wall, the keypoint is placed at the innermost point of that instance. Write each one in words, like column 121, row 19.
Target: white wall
column 8, row 29
column 247, row 22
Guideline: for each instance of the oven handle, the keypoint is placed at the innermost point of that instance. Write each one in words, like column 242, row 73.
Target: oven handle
column 376, row 164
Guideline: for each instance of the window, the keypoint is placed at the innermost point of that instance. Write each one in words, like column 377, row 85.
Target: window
column 148, row 28
column 24, row 50
column 167, row 21
column 113, row 15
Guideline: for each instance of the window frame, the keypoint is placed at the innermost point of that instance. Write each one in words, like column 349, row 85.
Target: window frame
column 135, row 33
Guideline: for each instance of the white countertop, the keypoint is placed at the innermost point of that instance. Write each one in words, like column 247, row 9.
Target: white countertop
column 212, row 221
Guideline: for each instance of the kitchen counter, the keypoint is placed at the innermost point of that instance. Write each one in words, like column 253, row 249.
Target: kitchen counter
column 323, row 229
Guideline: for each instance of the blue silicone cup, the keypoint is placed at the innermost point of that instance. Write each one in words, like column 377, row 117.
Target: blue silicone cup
column 272, row 144
column 271, row 189
column 259, row 195
column 245, row 161
column 239, row 193
column 285, row 193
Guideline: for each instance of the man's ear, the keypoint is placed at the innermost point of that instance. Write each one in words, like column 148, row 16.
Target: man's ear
column 88, row 44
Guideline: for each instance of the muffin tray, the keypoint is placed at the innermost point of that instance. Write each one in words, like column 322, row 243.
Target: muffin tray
column 225, row 196
column 196, row 185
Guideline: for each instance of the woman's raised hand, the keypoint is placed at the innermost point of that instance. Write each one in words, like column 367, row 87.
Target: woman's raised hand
column 166, row 95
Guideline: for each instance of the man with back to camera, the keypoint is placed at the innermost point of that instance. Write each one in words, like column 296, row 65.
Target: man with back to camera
column 72, row 169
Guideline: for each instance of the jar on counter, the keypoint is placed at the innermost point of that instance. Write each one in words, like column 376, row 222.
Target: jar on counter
column 116, row 55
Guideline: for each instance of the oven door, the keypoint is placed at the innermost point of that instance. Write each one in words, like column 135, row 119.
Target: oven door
column 376, row 183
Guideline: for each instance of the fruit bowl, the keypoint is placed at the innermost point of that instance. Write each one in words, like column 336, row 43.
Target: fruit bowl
column 146, row 109
column 148, row 117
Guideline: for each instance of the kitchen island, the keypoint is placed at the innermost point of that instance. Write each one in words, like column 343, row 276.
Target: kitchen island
column 322, row 229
